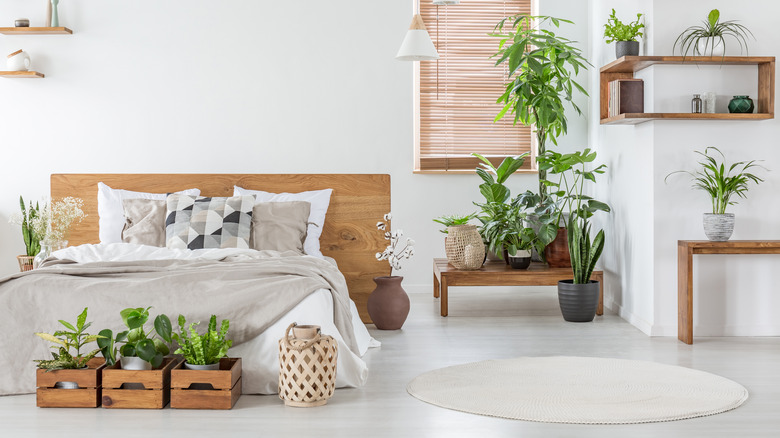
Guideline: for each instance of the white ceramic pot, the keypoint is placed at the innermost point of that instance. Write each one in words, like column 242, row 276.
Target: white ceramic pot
column 210, row 367
column 710, row 47
column 66, row 385
column 134, row 363
column 718, row 227
column 18, row 61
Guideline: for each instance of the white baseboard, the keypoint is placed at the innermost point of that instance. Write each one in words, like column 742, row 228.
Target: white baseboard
column 721, row 330
column 643, row 326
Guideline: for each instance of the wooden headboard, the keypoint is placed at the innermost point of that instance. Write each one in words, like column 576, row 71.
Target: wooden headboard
column 349, row 235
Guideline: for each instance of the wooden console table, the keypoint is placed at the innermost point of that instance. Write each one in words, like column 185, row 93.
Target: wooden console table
column 685, row 251
column 500, row 274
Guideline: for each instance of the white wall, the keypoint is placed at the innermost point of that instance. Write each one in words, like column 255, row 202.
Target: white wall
column 627, row 186
column 224, row 87
column 734, row 294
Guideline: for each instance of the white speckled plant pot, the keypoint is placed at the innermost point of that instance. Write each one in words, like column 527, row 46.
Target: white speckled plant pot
column 718, row 227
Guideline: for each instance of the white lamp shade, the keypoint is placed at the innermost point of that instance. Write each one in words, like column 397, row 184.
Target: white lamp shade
column 417, row 45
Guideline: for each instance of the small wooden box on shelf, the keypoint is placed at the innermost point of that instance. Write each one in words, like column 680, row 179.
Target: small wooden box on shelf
column 87, row 395
column 625, row 67
column 226, row 384
column 157, row 386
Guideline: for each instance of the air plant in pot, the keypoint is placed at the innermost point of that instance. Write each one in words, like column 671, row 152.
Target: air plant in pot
column 32, row 241
column 388, row 304
column 721, row 182
column 202, row 352
column 709, row 39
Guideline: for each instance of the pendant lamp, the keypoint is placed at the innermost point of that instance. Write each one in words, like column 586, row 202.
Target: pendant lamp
column 417, row 45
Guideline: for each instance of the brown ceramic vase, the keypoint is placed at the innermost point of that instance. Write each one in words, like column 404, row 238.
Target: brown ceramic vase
column 388, row 304
column 557, row 252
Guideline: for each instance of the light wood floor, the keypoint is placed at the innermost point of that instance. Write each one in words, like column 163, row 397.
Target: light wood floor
column 483, row 324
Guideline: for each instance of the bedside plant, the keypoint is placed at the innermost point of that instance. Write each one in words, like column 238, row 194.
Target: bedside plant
column 140, row 351
column 202, row 352
column 73, row 338
column 624, row 35
column 709, row 38
column 32, row 241
column 721, row 185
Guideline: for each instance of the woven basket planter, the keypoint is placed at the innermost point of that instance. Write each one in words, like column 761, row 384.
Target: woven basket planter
column 465, row 249
column 307, row 369
column 25, row 262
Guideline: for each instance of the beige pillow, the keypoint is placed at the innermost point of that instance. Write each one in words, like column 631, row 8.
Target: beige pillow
column 144, row 222
column 280, row 226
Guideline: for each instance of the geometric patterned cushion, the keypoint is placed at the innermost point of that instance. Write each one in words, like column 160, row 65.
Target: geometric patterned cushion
column 194, row 222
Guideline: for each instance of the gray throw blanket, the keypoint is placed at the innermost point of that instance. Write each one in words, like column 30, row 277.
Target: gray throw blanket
column 252, row 292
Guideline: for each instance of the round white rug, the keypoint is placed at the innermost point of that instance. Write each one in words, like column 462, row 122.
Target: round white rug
column 584, row 390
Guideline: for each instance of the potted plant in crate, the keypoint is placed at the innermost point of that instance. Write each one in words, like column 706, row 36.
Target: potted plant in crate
column 578, row 297
column 72, row 377
column 32, row 242
column 388, row 304
column 207, row 379
column 140, row 350
column 721, row 185
column 202, row 352
column 709, row 38
column 623, row 35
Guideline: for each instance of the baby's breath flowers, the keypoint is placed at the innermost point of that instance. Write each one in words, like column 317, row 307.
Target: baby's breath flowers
column 398, row 249
column 56, row 219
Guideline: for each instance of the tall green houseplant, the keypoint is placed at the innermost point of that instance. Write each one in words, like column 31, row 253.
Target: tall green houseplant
column 542, row 67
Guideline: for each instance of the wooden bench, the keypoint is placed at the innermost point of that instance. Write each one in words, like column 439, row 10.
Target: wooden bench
column 500, row 274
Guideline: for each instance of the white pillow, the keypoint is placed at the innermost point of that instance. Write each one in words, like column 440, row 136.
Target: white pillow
column 111, row 213
column 319, row 200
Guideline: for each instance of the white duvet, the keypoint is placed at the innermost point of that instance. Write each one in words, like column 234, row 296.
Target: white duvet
column 261, row 351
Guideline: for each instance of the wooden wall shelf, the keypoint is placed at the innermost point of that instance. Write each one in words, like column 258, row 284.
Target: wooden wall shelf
column 625, row 67
column 35, row 31
column 21, row 74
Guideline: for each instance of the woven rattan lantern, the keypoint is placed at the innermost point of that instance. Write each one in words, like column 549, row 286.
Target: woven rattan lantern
column 307, row 366
column 464, row 246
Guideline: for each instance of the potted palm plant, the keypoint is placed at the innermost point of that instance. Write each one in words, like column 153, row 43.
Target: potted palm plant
column 709, row 39
column 721, row 182
column 624, row 35
column 579, row 296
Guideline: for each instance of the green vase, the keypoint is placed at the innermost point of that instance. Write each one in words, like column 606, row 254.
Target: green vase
column 741, row 104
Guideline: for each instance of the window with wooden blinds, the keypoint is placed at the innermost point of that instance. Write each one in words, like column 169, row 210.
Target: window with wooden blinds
column 457, row 94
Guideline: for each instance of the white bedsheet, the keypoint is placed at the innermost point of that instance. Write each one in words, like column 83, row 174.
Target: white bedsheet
column 261, row 354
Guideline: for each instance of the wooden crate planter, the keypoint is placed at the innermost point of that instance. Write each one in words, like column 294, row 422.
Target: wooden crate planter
column 86, row 396
column 157, row 384
column 226, row 382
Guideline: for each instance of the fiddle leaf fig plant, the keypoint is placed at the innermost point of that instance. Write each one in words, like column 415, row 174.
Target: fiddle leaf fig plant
column 205, row 349
column 73, row 338
column 136, row 342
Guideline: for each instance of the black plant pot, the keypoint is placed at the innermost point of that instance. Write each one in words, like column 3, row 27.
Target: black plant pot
column 578, row 302
column 519, row 262
column 626, row 48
